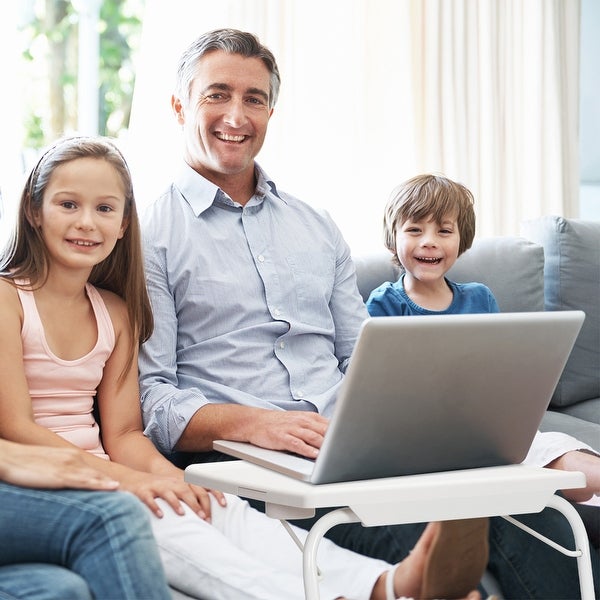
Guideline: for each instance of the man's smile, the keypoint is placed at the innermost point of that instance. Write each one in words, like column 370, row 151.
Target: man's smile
column 227, row 137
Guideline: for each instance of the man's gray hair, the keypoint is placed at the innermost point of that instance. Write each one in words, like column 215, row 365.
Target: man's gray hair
column 232, row 41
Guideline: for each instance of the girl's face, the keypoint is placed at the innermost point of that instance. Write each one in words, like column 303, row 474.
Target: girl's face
column 427, row 249
column 82, row 214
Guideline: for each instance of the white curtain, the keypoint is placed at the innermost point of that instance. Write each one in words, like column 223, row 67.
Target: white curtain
column 375, row 91
column 496, row 88
column 341, row 133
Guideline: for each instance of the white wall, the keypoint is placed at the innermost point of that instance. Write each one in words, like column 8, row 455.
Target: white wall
column 590, row 110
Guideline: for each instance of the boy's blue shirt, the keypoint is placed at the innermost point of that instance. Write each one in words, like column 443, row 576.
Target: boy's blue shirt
column 390, row 299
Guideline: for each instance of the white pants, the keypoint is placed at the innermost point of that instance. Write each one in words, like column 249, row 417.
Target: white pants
column 243, row 554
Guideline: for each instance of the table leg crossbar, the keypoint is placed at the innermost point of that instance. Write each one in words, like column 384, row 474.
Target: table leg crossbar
column 582, row 548
column 346, row 515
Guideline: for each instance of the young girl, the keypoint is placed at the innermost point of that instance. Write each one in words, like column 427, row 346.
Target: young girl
column 74, row 308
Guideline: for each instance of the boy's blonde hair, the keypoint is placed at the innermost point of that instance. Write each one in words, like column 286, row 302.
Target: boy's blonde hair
column 426, row 195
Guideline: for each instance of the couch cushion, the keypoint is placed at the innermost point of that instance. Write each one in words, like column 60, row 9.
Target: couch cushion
column 572, row 281
column 505, row 264
column 580, row 429
column 512, row 267
column 588, row 410
column 372, row 270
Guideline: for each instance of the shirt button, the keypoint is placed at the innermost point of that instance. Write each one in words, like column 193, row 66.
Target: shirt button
column 300, row 394
column 277, row 312
column 282, row 345
column 261, row 258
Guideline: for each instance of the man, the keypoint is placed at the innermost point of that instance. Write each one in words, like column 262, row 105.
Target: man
column 256, row 305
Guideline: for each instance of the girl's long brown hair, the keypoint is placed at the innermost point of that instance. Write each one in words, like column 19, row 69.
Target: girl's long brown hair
column 122, row 272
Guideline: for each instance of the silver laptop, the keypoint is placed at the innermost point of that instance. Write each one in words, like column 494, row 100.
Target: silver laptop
column 435, row 393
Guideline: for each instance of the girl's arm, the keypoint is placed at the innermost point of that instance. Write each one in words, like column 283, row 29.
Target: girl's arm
column 121, row 418
column 17, row 422
column 16, row 413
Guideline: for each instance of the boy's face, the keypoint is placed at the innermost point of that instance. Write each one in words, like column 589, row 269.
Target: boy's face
column 427, row 249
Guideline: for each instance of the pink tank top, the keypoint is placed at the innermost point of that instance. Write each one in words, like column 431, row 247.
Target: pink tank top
column 62, row 391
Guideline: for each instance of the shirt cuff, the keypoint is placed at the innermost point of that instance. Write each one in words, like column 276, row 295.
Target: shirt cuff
column 550, row 445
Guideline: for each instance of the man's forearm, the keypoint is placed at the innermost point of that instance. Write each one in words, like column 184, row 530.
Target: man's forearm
column 216, row 422
column 296, row 431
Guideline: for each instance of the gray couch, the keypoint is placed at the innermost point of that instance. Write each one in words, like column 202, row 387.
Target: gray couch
column 554, row 266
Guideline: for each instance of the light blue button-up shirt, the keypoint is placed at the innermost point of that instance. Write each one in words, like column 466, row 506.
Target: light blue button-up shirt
column 254, row 305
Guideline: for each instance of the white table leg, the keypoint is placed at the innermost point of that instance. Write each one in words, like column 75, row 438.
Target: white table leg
column 346, row 515
column 584, row 561
column 582, row 549
column 311, row 544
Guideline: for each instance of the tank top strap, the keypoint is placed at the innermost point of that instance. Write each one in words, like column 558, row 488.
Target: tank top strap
column 106, row 332
column 31, row 316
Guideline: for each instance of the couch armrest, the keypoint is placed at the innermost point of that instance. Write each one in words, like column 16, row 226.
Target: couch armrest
column 580, row 429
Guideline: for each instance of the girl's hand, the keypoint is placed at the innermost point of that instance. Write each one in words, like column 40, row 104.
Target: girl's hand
column 48, row 467
column 147, row 487
column 203, row 497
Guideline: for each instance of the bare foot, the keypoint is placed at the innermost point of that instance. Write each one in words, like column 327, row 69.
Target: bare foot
column 457, row 558
column 409, row 575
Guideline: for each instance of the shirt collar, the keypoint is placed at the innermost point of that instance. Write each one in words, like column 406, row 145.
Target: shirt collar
column 200, row 193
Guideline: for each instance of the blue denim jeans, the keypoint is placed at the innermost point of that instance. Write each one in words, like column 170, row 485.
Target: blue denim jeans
column 87, row 544
column 42, row 582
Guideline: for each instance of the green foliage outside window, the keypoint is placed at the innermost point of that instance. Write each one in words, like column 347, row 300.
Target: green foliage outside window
column 52, row 33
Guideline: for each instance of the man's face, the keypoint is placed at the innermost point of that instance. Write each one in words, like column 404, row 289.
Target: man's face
column 226, row 117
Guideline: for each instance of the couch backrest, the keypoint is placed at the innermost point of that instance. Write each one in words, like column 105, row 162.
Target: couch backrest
column 372, row 270
column 572, row 282
column 512, row 267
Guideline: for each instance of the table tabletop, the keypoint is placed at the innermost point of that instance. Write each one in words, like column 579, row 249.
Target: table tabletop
column 490, row 491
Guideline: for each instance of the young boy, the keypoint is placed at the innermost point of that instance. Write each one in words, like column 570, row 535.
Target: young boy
column 429, row 222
